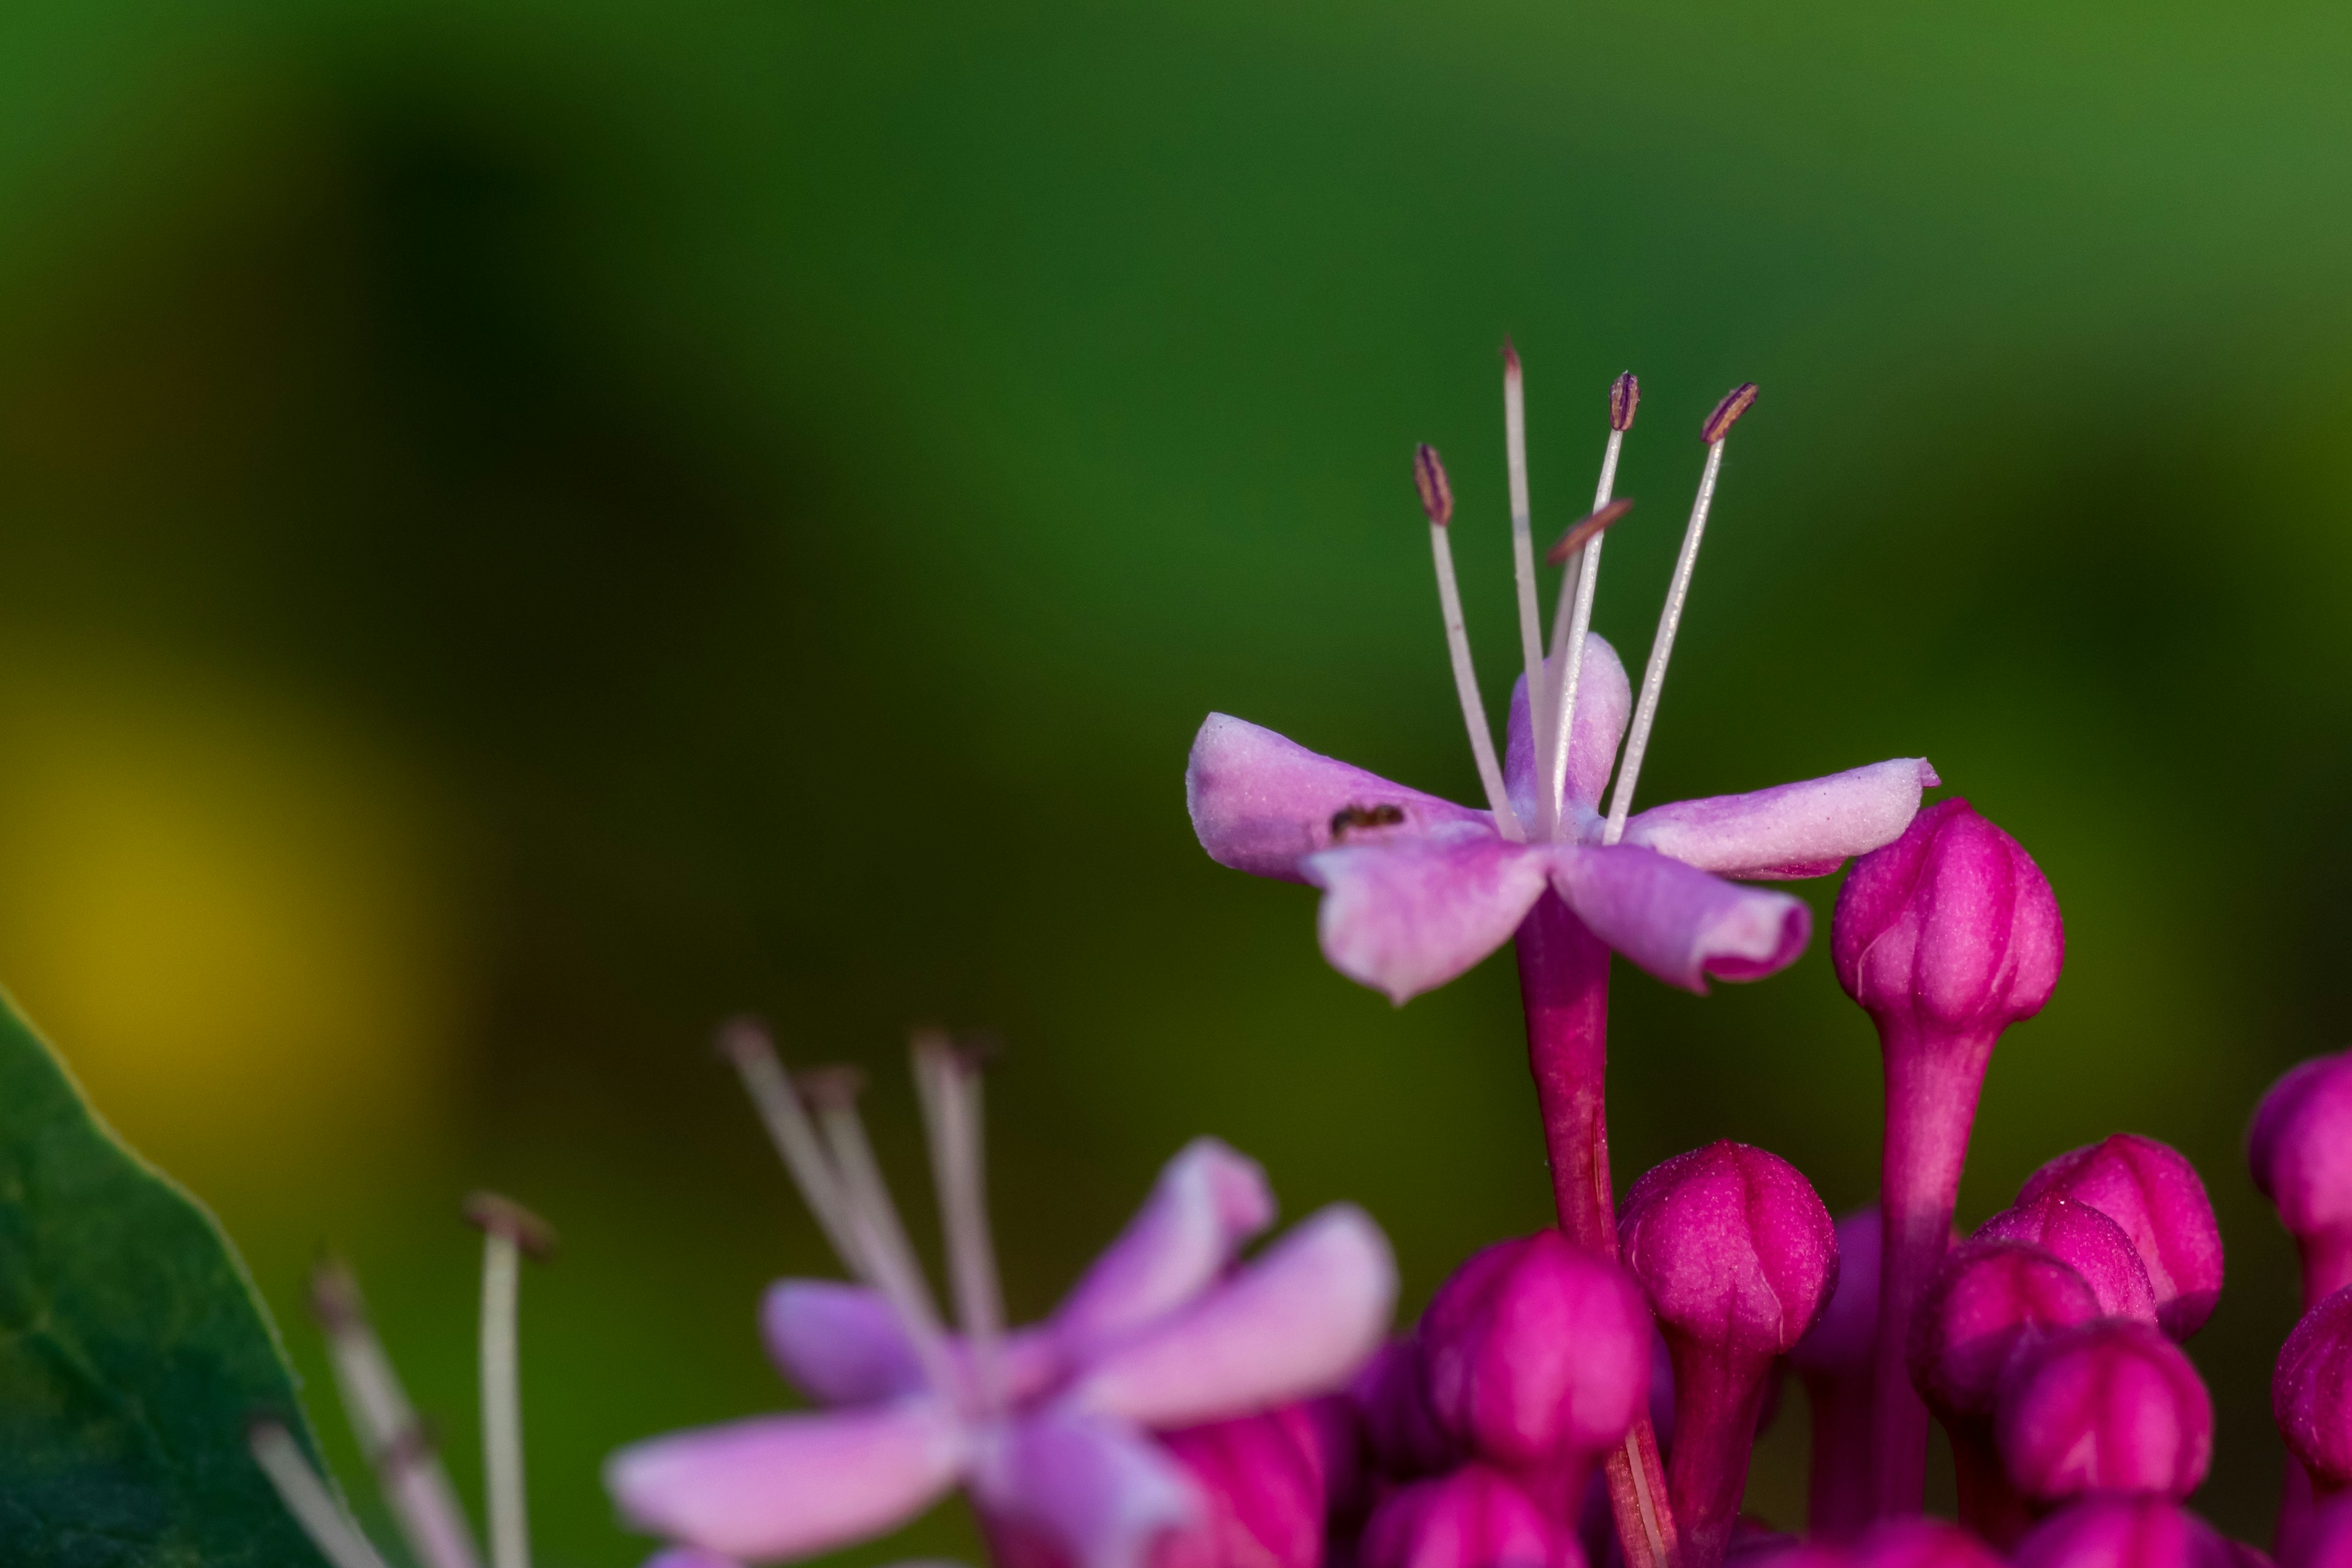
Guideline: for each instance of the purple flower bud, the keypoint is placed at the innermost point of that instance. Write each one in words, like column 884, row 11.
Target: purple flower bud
column 2155, row 1195
column 2086, row 1241
column 1402, row 1439
column 2301, row 1152
column 1537, row 1351
column 1989, row 1302
column 1738, row 1257
column 1476, row 1517
column 2325, row 1540
column 1260, row 1482
column 1833, row 1361
column 2108, row 1406
column 1946, row 937
column 2107, row 1531
column 2311, row 1394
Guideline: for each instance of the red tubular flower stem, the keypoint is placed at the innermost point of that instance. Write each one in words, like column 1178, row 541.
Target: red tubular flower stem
column 1564, row 986
column 1931, row 1103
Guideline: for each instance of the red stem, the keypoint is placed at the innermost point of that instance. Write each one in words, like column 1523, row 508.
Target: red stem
column 1838, row 1502
column 1989, row 1504
column 1931, row 1103
column 1564, row 983
column 1719, row 1397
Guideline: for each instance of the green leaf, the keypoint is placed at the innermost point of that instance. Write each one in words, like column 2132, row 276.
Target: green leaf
column 133, row 1350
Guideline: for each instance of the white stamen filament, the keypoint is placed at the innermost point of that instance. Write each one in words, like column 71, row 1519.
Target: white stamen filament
column 1579, row 581
column 415, row 1485
column 881, row 1239
column 502, row 1402
column 951, row 1091
column 1466, row 685
column 1523, row 560
column 1662, row 647
column 787, row 1120
column 306, row 1497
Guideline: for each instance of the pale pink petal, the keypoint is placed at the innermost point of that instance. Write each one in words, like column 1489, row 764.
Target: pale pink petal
column 788, row 1486
column 1603, row 698
column 1079, row 1490
column 1680, row 923
column 1296, row 1322
column 840, row 1344
column 1261, row 804
column 1208, row 1202
column 688, row 1557
column 1804, row 829
column 1408, row 916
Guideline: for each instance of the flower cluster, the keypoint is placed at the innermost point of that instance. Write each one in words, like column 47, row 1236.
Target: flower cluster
column 1588, row 1394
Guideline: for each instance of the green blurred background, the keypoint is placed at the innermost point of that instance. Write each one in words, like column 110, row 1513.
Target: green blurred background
column 527, row 529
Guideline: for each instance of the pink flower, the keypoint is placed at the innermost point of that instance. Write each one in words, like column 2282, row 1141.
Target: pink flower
column 2301, row 1152
column 1049, row 1428
column 1417, row 889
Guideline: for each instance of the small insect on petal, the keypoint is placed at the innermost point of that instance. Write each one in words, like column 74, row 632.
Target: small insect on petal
column 1348, row 816
column 1428, row 477
column 1624, row 396
column 1583, row 531
column 1734, row 403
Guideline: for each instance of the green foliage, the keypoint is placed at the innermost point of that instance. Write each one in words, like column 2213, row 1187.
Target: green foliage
column 133, row 1350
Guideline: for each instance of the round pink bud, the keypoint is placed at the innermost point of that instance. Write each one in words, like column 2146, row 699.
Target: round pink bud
column 2121, row 1531
column 2108, row 1406
column 2311, row 1394
column 2086, row 1241
column 2155, row 1195
column 1922, row 1543
column 1476, row 1517
column 1542, row 1353
column 1988, row 1298
column 1733, row 1247
column 1260, row 1482
column 2301, row 1152
column 1951, row 929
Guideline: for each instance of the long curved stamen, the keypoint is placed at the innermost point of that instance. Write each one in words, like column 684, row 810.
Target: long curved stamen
column 415, row 1485
column 1573, row 619
column 1437, row 501
column 745, row 1042
column 306, row 1497
column 873, row 1219
column 949, row 1083
column 1654, row 679
column 509, row 1231
column 1523, row 557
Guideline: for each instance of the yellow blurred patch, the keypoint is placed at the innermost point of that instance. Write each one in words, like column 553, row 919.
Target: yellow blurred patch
column 233, row 916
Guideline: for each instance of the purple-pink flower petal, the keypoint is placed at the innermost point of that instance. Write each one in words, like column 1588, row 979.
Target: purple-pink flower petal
column 1678, row 922
column 1408, row 915
column 1296, row 1322
column 1261, row 804
column 1078, row 1490
column 1603, row 701
column 839, row 1344
column 1209, row 1201
column 1803, row 829
column 788, row 1486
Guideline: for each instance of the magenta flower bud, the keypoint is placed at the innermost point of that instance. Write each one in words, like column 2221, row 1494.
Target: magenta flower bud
column 2301, row 1152
column 1259, row 1480
column 1989, row 1302
column 2086, row 1241
column 1475, row 1517
column 1402, row 1439
column 1536, row 1352
column 2110, row 1407
column 1834, row 1362
column 2155, row 1195
column 1946, row 937
column 2124, row 1532
column 2311, row 1394
column 1738, row 1257
column 1921, row 1543
column 2325, row 1539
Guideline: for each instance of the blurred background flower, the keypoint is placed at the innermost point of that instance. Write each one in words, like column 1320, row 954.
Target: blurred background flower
column 525, row 529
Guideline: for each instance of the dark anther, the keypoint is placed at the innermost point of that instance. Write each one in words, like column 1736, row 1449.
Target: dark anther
column 1348, row 816
column 1624, row 396
column 1735, row 401
column 1428, row 477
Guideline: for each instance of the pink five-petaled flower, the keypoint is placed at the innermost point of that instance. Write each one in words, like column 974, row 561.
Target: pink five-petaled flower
column 1417, row 889
column 1050, row 1428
